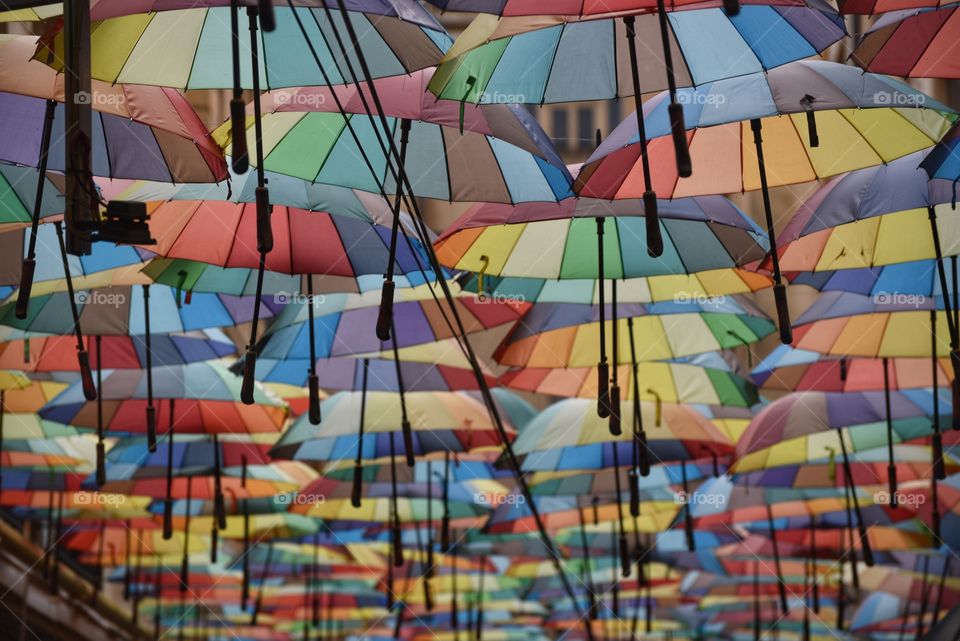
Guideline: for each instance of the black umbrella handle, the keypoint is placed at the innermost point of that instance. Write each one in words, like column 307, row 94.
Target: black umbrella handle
column 240, row 159
column 101, row 464
column 268, row 21
column 407, row 430
column 313, row 413
column 356, row 491
column 633, row 480
column 624, row 554
column 385, row 315
column 27, row 270
column 249, row 380
column 731, row 7
column 603, row 386
column 214, row 543
column 783, row 313
column 152, row 428
column 86, row 375
column 939, row 469
column 652, row 220
column 615, row 422
column 678, row 128
column 167, row 518
column 264, row 228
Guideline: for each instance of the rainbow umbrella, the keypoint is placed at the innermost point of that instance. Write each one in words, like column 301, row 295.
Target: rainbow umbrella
column 912, row 43
column 396, row 39
column 495, row 153
column 18, row 196
column 791, row 105
column 170, row 140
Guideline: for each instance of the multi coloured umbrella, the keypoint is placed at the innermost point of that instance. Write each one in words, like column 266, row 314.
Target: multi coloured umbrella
column 866, row 119
column 912, row 43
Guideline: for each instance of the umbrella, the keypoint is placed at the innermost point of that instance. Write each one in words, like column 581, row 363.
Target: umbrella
column 914, row 43
column 849, row 107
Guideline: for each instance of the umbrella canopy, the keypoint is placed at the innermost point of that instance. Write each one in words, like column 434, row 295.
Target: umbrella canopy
column 204, row 398
column 141, row 132
column 558, row 241
column 397, row 38
column 18, row 193
column 581, row 54
column 565, row 335
column 496, row 153
column 913, row 43
column 861, row 119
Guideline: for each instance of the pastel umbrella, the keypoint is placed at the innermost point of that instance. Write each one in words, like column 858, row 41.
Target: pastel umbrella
column 914, row 42
column 18, row 195
column 790, row 369
column 669, row 382
column 557, row 335
column 792, row 105
column 495, row 153
column 943, row 161
column 558, row 240
column 396, row 39
column 141, row 132
column 579, row 49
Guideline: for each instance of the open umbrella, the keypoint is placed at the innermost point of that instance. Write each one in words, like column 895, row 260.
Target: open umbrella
column 791, row 105
column 912, row 43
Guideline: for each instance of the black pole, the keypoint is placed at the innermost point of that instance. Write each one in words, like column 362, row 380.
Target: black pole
column 258, row 604
column 385, row 316
column 405, row 426
column 101, row 476
column 238, row 119
column 356, row 492
column 891, row 466
column 151, row 410
column 313, row 382
column 776, row 560
column 83, row 356
column 615, row 428
column 779, row 289
column 687, row 514
column 603, row 367
column 219, row 504
column 939, row 470
column 677, row 126
column 395, row 526
column 29, row 266
column 641, row 458
column 652, row 219
column 445, row 520
column 848, row 479
column 168, row 500
column 264, row 231
column 621, row 542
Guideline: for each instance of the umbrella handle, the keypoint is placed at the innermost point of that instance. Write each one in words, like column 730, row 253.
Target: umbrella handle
column 783, row 313
column 385, row 315
column 264, row 229
column 27, row 270
column 246, row 388
column 615, row 427
column 731, row 7
column 152, row 428
column 624, row 554
column 644, row 463
column 167, row 518
column 356, row 490
column 101, row 464
column 86, row 375
column 268, row 21
column 652, row 218
column 939, row 470
column 408, row 442
column 679, row 130
column 445, row 533
column 634, row 481
column 238, row 137
column 603, row 385
column 313, row 383
column 214, row 543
